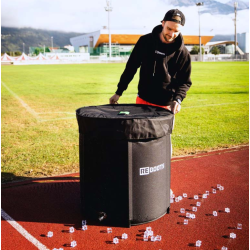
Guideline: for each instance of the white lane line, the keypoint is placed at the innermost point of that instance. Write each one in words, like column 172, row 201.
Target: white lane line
column 22, row 231
column 24, row 104
column 218, row 104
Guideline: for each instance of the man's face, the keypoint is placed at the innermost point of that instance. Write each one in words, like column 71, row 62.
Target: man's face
column 170, row 30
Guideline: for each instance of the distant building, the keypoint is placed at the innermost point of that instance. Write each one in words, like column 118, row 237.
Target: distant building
column 70, row 48
column 59, row 50
column 123, row 41
column 226, row 47
column 242, row 40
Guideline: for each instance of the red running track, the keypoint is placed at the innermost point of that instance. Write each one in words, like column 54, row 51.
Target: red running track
column 53, row 204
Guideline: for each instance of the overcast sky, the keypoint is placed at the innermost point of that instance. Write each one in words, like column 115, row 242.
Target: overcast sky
column 86, row 16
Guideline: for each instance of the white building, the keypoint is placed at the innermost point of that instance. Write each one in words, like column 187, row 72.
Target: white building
column 122, row 40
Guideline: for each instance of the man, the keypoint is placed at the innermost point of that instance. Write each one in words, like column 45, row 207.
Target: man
column 165, row 66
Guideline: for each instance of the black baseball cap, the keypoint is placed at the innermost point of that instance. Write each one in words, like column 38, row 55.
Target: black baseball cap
column 176, row 16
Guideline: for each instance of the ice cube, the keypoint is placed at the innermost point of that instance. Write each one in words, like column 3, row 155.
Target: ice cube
column 49, row 234
column 184, row 195
column 158, row 238
column 196, row 197
column 192, row 216
column 214, row 191
column 194, row 209
column 224, row 248
column 109, row 230
column 198, row 243
column 218, row 185
column 232, row 235
column 215, row 213
column 204, row 196
column 182, row 210
column 115, row 240
column 180, row 198
column 185, row 222
column 148, row 229
column 71, row 230
column 150, row 233
column 124, row 236
column 227, row 210
column 84, row 227
column 73, row 243
column 239, row 226
column 198, row 204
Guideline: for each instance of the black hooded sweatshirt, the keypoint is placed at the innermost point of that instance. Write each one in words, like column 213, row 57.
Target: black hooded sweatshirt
column 165, row 69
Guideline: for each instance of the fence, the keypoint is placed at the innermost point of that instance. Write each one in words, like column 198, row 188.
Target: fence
column 116, row 50
column 220, row 57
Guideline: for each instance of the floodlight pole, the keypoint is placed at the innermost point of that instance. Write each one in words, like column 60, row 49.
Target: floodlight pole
column 108, row 8
column 198, row 5
column 52, row 43
column 235, row 33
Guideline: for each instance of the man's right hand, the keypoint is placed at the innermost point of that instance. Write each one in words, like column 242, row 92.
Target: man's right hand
column 114, row 99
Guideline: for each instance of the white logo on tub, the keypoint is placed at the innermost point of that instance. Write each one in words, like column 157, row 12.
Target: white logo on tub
column 149, row 170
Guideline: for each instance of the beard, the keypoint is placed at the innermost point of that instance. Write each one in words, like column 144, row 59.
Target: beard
column 167, row 38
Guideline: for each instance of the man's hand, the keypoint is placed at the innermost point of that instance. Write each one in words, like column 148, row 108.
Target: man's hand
column 175, row 107
column 114, row 99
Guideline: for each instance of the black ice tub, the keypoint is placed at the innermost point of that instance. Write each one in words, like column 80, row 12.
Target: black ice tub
column 125, row 153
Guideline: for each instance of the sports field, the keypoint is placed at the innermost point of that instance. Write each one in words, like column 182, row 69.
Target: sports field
column 39, row 127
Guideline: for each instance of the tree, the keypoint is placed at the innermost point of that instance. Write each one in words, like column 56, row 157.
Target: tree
column 14, row 53
column 18, row 53
column 215, row 51
column 41, row 50
column 37, row 51
column 195, row 50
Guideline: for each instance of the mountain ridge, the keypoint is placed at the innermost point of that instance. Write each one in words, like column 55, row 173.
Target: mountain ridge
column 12, row 39
column 211, row 6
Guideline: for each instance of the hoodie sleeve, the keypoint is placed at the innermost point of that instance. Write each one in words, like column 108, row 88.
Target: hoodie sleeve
column 183, row 78
column 132, row 65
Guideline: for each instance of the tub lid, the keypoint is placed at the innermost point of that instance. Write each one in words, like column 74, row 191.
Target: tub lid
column 130, row 121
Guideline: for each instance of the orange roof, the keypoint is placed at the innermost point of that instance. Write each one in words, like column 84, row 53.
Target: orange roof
column 195, row 39
column 121, row 39
column 132, row 39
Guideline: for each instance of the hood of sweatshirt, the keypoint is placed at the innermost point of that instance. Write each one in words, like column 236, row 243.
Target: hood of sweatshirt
column 170, row 47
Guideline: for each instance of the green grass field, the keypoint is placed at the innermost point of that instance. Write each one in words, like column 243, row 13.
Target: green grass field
column 40, row 131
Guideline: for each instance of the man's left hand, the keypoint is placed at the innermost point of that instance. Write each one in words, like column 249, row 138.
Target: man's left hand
column 175, row 107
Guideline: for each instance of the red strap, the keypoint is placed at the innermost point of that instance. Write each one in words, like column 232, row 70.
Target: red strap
column 141, row 101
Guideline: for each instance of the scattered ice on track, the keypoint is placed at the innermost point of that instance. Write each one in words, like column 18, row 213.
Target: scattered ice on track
column 124, row 236
column 115, row 240
column 49, row 234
